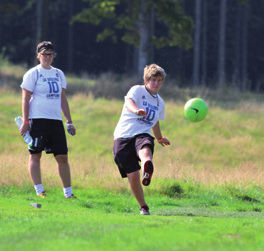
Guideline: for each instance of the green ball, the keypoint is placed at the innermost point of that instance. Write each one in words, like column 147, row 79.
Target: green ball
column 195, row 109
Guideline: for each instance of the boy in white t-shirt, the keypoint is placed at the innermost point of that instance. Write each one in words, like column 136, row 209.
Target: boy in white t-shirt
column 133, row 142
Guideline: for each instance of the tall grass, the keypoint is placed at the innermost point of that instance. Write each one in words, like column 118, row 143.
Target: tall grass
column 225, row 148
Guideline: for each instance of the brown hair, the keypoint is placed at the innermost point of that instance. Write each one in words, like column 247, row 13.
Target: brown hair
column 45, row 45
column 153, row 70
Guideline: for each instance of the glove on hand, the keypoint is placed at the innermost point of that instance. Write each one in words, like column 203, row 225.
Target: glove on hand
column 70, row 128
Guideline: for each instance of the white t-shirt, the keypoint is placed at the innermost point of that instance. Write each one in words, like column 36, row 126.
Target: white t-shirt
column 131, row 124
column 46, row 86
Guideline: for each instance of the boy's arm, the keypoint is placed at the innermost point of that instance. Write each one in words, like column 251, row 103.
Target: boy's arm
column 157, row 133
column 130, row 105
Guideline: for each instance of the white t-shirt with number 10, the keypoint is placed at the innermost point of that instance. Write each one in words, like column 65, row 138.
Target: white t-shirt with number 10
column 46, row 86
column 131, row 124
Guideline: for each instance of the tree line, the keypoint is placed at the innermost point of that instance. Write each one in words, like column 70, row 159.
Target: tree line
column 198, row 42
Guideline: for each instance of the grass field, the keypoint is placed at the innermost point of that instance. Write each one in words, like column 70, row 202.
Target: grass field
column 206, row 193
column 104, row 220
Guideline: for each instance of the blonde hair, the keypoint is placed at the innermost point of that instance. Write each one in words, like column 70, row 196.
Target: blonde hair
column 153, row 70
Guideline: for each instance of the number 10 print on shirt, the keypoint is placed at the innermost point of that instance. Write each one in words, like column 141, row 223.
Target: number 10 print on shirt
column 54, row 89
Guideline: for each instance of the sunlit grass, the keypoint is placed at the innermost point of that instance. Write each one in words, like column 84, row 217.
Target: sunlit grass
column 208, row 183
column 106, row 220
column 225, row 148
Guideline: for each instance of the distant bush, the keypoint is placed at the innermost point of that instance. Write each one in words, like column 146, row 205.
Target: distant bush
column 113, row 86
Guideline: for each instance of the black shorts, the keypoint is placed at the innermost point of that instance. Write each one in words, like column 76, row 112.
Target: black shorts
column 125, row 151
column 48, row 135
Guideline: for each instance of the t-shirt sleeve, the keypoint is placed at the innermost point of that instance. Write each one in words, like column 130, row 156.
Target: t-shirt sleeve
column 133, row 93
column 29, row 80
column 162, row 114
column 63, row 79
column 162, row 111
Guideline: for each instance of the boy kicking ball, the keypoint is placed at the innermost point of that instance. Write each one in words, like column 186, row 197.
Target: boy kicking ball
column 133, row 142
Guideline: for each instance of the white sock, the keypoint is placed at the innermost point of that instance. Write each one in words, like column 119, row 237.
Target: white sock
column 39, row 188
column 67, row 191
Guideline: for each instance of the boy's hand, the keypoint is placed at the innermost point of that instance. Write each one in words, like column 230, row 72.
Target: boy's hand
column 141, row 112
column 164, row 142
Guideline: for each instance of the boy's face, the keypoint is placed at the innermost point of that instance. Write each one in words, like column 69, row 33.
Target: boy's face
column 154, row 84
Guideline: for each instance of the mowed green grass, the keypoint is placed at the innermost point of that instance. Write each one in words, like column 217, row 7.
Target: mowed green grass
column 206, row 193
column 105, row 220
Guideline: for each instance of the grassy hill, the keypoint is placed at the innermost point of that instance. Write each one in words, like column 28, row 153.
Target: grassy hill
column 207, row 190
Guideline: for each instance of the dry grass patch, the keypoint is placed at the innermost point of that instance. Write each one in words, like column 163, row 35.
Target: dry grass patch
column 246, row 173
column 100, row 172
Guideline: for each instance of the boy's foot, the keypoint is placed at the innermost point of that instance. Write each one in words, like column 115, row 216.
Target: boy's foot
column 42, row 195
column 71, row 197
column 147, row 173
column 144, row 210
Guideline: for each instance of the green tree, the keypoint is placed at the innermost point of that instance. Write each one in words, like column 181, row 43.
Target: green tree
column 5, row 9
column 197, row 34
column 135, row 20
column 222, row 44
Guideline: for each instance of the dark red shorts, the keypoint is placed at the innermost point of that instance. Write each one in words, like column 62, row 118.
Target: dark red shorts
column 125, row 151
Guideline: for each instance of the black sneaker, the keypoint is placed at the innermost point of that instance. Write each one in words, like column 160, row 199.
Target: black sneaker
column 144, row 210
column 147, row 173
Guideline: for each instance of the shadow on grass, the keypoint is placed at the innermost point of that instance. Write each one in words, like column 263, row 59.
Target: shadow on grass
column 197, row 212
